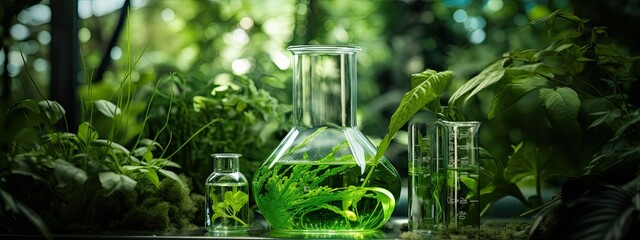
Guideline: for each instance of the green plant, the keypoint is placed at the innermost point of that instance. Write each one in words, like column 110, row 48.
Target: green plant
column 78, row 170
column 591, row 208
column 85, row 182
column 425, row 88
column 581, row 86
column 249, row 118
column 229, row 208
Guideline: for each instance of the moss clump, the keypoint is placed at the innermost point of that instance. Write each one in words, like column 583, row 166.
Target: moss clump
column 169, row 207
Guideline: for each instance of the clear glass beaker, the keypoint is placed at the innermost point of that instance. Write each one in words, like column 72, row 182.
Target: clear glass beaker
column 226, row 195
column 322, row 175
column 444, row 173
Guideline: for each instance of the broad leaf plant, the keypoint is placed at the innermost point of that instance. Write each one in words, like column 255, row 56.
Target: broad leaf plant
column 582, row 84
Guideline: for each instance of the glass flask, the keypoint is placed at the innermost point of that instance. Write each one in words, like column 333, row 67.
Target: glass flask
column 444, row 173
column 323, row 175
column 226, row 195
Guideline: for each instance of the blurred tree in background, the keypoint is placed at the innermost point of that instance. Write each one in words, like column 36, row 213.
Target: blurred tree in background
column 211, row 40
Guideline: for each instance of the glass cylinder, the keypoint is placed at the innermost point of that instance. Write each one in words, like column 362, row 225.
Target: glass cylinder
column 322, row 176
column 226, row 195
column 443, row 174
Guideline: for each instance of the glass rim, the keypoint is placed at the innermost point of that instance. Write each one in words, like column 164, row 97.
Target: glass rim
column 226, row 155
column 463, row 123
column 336, row 49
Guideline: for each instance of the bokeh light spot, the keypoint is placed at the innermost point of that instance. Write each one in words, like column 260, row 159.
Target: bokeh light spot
column 44, row 37
column 460, row 15
column 246, row 23
column 167, row 14
column 19, row 32
column 239, row 36
column 84, row 34
column 477, row 36
column 84, row 9
column 494, row 5
column 116, row 53
column 241, row 66
column 280, row 60
column 36, row 15
column 40, row 65
column 456, row 3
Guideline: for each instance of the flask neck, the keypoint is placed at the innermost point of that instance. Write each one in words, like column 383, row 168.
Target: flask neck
column 324, row 86
column 226, row 163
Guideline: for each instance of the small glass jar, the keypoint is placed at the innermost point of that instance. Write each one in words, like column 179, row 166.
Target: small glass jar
column 226, row 195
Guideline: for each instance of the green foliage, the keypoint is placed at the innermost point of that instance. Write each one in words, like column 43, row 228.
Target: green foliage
column 107, row 108
column 78, row 173
column 613, row 210
column 301, row 196
column 14, row 208
column 582, row 86
column 229, row 208
column 488, row 76
column 426, row 87
column 247, row 119
column 88, row 180
column 291, row 203
column 561, row 105
column 622, row 149
column 574, row 78
column 592, row 209
column 539, row 164
column 510, row 90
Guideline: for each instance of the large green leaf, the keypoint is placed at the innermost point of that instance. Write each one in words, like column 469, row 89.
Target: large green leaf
column 236, row 199
column 427, row 86
column 626, row 127
column 171, row 175
column 27, row 104
column 35, row 219
column 386, row 198
column 152, row 176
column 87, row 133
column 493, row 185
column 52, row 110
column 609, row 213
column 561, row 106
column 605, row 117
column 490, row 75
column 9, row 203
column 112, row 182
column 536, row 162
column 113, row 145
column 107, row 108
column 67, row 174
column 515, row 85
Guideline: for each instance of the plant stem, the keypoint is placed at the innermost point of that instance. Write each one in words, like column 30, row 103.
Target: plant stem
column 239, row 220
column 538, row 184
column 194, row 135
column 366, row 179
